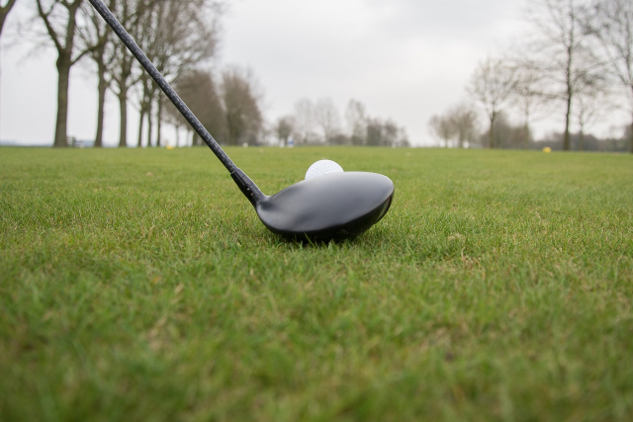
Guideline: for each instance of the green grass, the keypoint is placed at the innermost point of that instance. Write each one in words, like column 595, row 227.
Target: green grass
column 140, row 285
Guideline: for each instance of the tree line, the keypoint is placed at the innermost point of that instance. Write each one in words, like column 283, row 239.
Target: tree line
column 179, row 37
column 577, row 60
column 319, row 123
column 230, row 110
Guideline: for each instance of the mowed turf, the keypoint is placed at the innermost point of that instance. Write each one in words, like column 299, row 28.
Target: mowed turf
column 140, row 285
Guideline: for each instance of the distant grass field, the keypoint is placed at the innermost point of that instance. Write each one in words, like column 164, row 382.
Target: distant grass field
column 140, row 285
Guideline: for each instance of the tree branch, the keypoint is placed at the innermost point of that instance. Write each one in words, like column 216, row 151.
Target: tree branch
column 49, row 27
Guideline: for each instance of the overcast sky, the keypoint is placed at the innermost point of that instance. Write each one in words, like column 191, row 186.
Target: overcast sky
column 404, row 59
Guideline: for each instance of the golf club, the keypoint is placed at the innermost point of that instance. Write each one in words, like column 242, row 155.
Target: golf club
column 332, row 206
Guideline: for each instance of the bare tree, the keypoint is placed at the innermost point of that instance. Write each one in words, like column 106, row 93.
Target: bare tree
column 4, row 11
column 356, row 118
column 613, row 27
column 393, row 135
column 463, row 120
column 145, row 108
column 95, row 37
column 183, row 36
column 198, row 90
column 241, row 103
column 561, row 50
column 458, row 123
column 491, row 85
column 527, row 95
column 364, row 130
column 403, row 141
column 375, row 132
column 124, row 71
column 149, row 22
column 148, row 89
column 441, row 129
column 177, row 36
column 592, row 103
column 327, row 117
column 304, row 121
column 385, row 133
column 283, row 129
column 507, row 134
column 60, row 21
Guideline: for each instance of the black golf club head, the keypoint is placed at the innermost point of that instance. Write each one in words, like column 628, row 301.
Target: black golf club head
column 331, row 206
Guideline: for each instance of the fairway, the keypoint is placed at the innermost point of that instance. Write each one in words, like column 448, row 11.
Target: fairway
column 140, row 285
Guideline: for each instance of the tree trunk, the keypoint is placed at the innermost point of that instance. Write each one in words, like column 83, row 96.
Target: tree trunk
column 101, row 106
column 143, row 112
column 141, row 120
column 566, row 143
column 581, row 139
column 491, row 134
column 150, row 123
column 526, row 136
column 0, row 79
column 159, row 122
column 631, row 137
column 123, row 114
column 63, row 64
column 4, row 11
column 63, row 77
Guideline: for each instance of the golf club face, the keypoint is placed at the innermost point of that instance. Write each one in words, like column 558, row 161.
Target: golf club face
column 333, row 206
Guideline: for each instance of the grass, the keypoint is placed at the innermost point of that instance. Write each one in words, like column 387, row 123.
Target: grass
column 139, row 285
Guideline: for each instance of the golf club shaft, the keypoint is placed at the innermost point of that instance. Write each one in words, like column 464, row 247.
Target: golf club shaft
column 246, row 185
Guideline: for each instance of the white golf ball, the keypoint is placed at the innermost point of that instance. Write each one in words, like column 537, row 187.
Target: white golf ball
column 323, row 167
